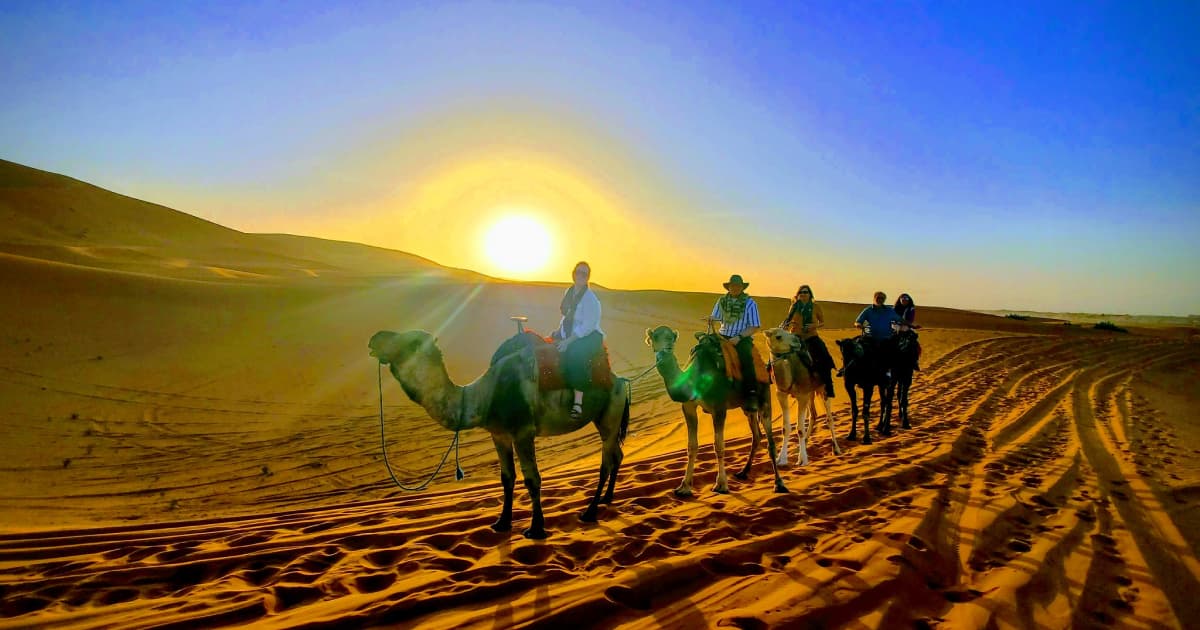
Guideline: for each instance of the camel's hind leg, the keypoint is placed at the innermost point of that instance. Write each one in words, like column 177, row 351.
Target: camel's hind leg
column 689, row 417
column 508, row 478
column 610, row 462
column 784, row 403
column 771, row 454
column 755, row 438
column 722, row 484
column 829, row 418
column 803, row 425
column 533, row 483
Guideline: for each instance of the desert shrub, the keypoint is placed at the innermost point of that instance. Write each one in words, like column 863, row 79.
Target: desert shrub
column 1109, row 326
column 1016, row 316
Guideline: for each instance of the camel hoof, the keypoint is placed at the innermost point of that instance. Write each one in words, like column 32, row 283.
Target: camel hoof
column 536, row 534
column 588, row 516
column 853, row 437
column 867, row 440
column 502, row 526
column 741, row 475
column 683, row 492
column 720, row 490
column 780, row 488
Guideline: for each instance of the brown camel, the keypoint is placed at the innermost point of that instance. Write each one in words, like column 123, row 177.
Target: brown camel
column 794, row 379
column 506, row 402
column 704, row 384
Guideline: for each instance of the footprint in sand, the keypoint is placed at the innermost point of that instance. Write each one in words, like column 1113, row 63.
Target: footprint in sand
column 627, row 597
column 374, row 582
column 292, row 595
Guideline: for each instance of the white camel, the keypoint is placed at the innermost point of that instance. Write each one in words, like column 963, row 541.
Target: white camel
column 793, row 379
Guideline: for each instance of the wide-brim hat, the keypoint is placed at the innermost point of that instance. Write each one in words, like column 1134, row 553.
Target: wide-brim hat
column 736, row 279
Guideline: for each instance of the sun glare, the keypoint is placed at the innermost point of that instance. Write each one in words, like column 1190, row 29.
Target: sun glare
column 517, row 244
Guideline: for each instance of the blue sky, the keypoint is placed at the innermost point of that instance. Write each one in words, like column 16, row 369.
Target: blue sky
column 1028, row 156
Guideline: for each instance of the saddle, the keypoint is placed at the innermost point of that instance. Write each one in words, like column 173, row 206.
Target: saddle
column 548, row 360
column 729, row 358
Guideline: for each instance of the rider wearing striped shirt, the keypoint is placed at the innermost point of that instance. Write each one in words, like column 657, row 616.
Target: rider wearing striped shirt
column 738, row 314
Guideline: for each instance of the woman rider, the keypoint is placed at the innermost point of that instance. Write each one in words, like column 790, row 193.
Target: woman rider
column 908, row 312
column 803, row 319
column 579, row 337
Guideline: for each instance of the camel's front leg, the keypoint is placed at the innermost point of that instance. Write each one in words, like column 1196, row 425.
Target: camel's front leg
column 782, row 397
column 829, row 419
column 722, row 485
column 508, row 478
column 533, row 483
column 693, row 429
column 802, row 427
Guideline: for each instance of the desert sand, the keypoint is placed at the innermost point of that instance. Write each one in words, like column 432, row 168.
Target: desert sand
column 190, row 436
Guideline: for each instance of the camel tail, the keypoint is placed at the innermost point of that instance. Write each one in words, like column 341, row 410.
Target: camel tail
column 625, row 414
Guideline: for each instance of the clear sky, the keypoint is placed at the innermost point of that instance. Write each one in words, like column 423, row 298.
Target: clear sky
column 1039, row 155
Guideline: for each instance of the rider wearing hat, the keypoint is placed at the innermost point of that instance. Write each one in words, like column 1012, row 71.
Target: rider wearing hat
column 738, row 314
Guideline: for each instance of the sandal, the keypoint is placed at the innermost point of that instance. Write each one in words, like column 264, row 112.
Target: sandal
column 576, row 411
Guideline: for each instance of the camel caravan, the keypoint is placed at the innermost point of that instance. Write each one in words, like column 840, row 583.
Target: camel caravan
column 539, row 386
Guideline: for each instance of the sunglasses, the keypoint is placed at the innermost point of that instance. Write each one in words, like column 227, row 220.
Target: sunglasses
column 806, row 293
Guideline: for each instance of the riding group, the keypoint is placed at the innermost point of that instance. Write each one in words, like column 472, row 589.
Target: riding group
column 883, row 357
column 541, row 386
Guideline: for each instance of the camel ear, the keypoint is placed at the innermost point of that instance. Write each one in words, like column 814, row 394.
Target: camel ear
column 674, row 334
column 648, row 342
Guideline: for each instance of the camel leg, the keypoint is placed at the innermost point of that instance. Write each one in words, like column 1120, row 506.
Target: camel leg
column 829, row 418
column 885, row 408
column 617, row 455
column 533, row 483
column 609, row 460
column 802, row 429
column 689, row 417
column 785, row 404
column 904, row 386
column 508, row 478
column 722, row 484
column 764, row 415
column 752, row 417
column 868, row 390
column 853, row 395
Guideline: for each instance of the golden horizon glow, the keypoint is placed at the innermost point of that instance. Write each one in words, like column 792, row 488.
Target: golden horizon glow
column 518, row 244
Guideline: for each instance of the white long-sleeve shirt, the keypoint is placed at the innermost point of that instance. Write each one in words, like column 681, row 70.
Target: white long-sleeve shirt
column 587, row 317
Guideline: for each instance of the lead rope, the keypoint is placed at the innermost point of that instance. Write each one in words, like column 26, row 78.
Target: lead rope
column 458, row 473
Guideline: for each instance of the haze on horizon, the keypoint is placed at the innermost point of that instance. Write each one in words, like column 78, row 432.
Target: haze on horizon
column 989, row 157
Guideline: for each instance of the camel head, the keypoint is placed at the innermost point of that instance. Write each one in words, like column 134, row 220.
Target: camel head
column 661, row 339
column 396, row 348
column 781, row 341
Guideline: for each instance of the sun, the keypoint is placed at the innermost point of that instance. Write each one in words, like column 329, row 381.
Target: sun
column 517, row 244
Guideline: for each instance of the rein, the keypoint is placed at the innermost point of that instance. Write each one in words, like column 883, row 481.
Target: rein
column 458, row 472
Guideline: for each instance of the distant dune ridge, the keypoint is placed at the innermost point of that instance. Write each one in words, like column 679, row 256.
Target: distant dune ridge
column 190, row 435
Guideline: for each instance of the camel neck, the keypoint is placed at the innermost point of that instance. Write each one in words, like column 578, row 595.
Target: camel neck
column 428, row 385
column 674, row 378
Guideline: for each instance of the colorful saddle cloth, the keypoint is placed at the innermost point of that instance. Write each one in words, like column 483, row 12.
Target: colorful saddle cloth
column 733, row 366
column 549, row 365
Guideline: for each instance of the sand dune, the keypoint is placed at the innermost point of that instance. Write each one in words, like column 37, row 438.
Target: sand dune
column 185, row 448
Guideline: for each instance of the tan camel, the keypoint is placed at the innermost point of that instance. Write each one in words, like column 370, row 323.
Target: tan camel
column 507, row 403
column 704, row 384
column 793, row 379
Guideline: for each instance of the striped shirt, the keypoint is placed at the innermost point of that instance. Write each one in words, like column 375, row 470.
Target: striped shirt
column 749, row 319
